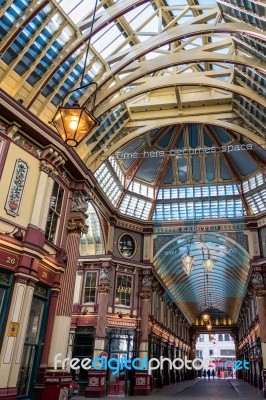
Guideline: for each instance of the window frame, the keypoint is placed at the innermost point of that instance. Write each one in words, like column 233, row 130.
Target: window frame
column 55, row 212
column 135, row 245
column 131, row 287
column 84, row 288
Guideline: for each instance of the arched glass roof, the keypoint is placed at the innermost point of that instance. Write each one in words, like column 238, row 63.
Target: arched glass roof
column 174, row 77
column 171, row 75
column 222, row 289
column 182, row 173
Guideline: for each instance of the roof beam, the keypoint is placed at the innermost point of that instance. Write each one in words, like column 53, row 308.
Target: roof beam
column 171, row 81
column 139, row 70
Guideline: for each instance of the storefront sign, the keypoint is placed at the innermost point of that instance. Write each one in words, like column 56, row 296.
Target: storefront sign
column 45, row 275
column 13, row 329
column 8, row 260
column 123, row 289
column 113, row 322
column 86, row 321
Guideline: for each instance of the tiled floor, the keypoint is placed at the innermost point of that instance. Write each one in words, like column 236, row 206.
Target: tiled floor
column 199, row 389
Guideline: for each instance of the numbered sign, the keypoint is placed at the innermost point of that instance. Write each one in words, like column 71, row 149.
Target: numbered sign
column 8, row 260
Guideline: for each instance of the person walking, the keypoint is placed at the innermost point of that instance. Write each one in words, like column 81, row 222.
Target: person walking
column 204, row 374
column 213, row 374
column 219, row 374
column 209, row 374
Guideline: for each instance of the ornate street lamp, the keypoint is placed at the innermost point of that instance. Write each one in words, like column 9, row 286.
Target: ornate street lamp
column 74, row 123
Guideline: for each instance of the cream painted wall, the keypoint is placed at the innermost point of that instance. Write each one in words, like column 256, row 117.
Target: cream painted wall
column 30, row 188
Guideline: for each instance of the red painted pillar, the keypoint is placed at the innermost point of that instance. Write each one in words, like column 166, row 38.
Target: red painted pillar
column 261, row 302
column 142, row 381
column 57, row 381
column 96, row 378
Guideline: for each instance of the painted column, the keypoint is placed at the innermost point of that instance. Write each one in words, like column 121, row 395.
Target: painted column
column 258, row 287
column 13, row 341
column 96, row 378
column 142, row 383
column 261, row 302
column 50, row 162
column 57, row 380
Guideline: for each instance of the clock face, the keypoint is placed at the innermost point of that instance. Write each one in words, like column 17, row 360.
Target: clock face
column 127, row 245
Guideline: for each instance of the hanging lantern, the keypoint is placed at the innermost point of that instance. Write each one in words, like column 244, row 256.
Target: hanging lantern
column 74, row 123
column 209, row 327
column 205, row 317
column 188, row 265
column 208, row 264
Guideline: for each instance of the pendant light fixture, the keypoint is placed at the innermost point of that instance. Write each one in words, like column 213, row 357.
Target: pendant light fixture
column 188, row 260
column 205, row 317
column 208, row 263
column 74, row 123
column 209, row 327
column 188, row 265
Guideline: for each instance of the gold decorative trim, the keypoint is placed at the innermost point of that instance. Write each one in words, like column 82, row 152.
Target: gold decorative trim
column 48, row 168
column 103, row 288
column 129, row 225
column 145, row 295
column 77, row 225
column 201, row 228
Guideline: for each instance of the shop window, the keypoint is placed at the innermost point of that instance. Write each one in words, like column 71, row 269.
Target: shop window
column 123, row 290
column 33, row 342
column 2, row 296
column 54, row 212
column 90, row 287
column 83, row 341
column 5, row 282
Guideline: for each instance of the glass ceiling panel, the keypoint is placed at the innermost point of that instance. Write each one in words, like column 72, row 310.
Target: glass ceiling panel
column 44, row 42
column 138, row 16
column 101, row 40
column 77, row 9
